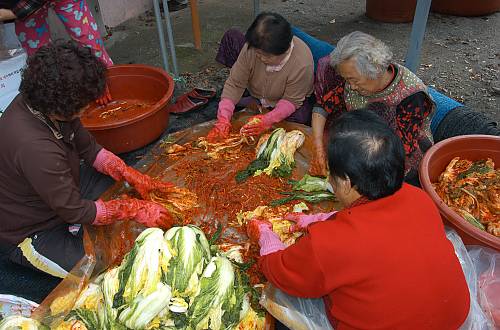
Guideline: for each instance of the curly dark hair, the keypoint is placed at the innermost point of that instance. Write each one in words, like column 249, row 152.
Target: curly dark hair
column 61, row 78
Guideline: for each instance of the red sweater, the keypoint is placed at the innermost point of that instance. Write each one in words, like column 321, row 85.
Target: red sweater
column 385, row 264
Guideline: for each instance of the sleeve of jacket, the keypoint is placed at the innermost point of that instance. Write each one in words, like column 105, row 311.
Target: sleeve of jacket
column 239, row 76
column 295, row 270
column 24, row 8
column 86, row 144
column 44, row 165
column 328, row 89
column 320, row 79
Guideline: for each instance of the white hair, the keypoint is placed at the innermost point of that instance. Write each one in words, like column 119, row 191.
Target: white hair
column 371, row 56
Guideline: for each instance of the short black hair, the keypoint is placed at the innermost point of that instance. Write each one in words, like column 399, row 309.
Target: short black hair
column 61, row 78
column 270, row 32
column 364, row 148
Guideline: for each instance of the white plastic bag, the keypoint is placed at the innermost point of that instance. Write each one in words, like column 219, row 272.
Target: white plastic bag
column 477, row 319
column 487, row 265
column 12, row 60
column 13, row 305
column 295, row 313
column 8, row 37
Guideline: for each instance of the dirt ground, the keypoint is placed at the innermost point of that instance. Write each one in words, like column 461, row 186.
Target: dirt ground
column 460, row 55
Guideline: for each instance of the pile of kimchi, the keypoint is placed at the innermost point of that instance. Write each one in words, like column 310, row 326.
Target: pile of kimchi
column 472, row 189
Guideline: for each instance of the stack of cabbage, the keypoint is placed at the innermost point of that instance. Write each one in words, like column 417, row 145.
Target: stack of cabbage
column 169, row 281
column 275, row 154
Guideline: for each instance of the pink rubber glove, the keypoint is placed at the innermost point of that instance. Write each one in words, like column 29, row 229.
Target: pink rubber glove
column 257, row 125
column 222, row 127
column 303, row 220
column 150, row 214
column 108, row 163
column 262, row 232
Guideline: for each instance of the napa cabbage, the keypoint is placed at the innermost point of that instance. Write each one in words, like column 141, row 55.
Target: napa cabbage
column 275, row 155
column 216, row 294
column 192, row 253
column 143, row 267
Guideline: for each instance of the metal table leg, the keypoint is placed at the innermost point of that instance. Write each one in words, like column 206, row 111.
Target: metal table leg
column 417, row 34
column 161, row 35
column 256, row 8
column 170, row 35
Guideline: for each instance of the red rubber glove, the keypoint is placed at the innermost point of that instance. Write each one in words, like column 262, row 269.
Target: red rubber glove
column 303, row 220
column 318, row 163
column 150, row 214
column 281, row 111
column 220, row 131
column 108, row 163
column 256, row 125
column 106, row 96
column 144, row 184
column 222, row 128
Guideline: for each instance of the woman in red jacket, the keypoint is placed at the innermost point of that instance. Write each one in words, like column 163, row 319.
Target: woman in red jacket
column 382, row 262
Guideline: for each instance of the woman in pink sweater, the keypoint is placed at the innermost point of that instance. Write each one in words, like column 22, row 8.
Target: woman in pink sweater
column 275, row 68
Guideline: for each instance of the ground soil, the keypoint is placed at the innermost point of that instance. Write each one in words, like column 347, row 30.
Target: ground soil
column 460, row 55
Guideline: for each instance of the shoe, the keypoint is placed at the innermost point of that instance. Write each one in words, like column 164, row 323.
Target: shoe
column 186, row 103
column 203, row 93
column 175, row 5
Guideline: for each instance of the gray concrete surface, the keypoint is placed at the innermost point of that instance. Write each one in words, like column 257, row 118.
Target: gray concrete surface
column 460, row 55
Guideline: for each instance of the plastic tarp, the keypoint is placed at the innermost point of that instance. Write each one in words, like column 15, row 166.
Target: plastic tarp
column 477, row 267
column 106, row 245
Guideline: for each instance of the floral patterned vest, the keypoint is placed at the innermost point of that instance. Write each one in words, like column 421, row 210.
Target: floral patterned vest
column 404, row 84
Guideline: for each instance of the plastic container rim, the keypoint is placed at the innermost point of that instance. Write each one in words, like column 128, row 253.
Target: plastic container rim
column 452, row 216
column 154, row 108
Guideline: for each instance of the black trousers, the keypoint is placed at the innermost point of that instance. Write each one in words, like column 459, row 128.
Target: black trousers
column 58, row 247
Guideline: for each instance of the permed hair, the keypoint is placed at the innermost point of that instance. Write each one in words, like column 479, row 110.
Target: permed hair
column 363, row 148
column 271, row 33
column 61, row 78
column 371, row 56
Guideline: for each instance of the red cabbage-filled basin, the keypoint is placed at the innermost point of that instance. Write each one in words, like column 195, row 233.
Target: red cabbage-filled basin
column 471, row 147
column 138, row 113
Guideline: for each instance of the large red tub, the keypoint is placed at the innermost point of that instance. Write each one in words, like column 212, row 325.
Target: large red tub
column 147, row 87
column 471, row 147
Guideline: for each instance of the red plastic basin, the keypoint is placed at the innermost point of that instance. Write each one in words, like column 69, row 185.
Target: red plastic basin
column 129, row 132
column 465, row 7
column 471, row 147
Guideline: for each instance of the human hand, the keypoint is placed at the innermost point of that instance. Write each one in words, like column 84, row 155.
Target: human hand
column 255, row 228
column 303, row 220
column 144, row 184
column 108, row 163
column 220, row 131
column 151, row 214
column 318, row 165
column 147, row 213
column 256, row 125
column 106, row 96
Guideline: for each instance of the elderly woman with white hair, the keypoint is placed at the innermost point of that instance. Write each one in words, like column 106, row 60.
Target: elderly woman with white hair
column 360, row 73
